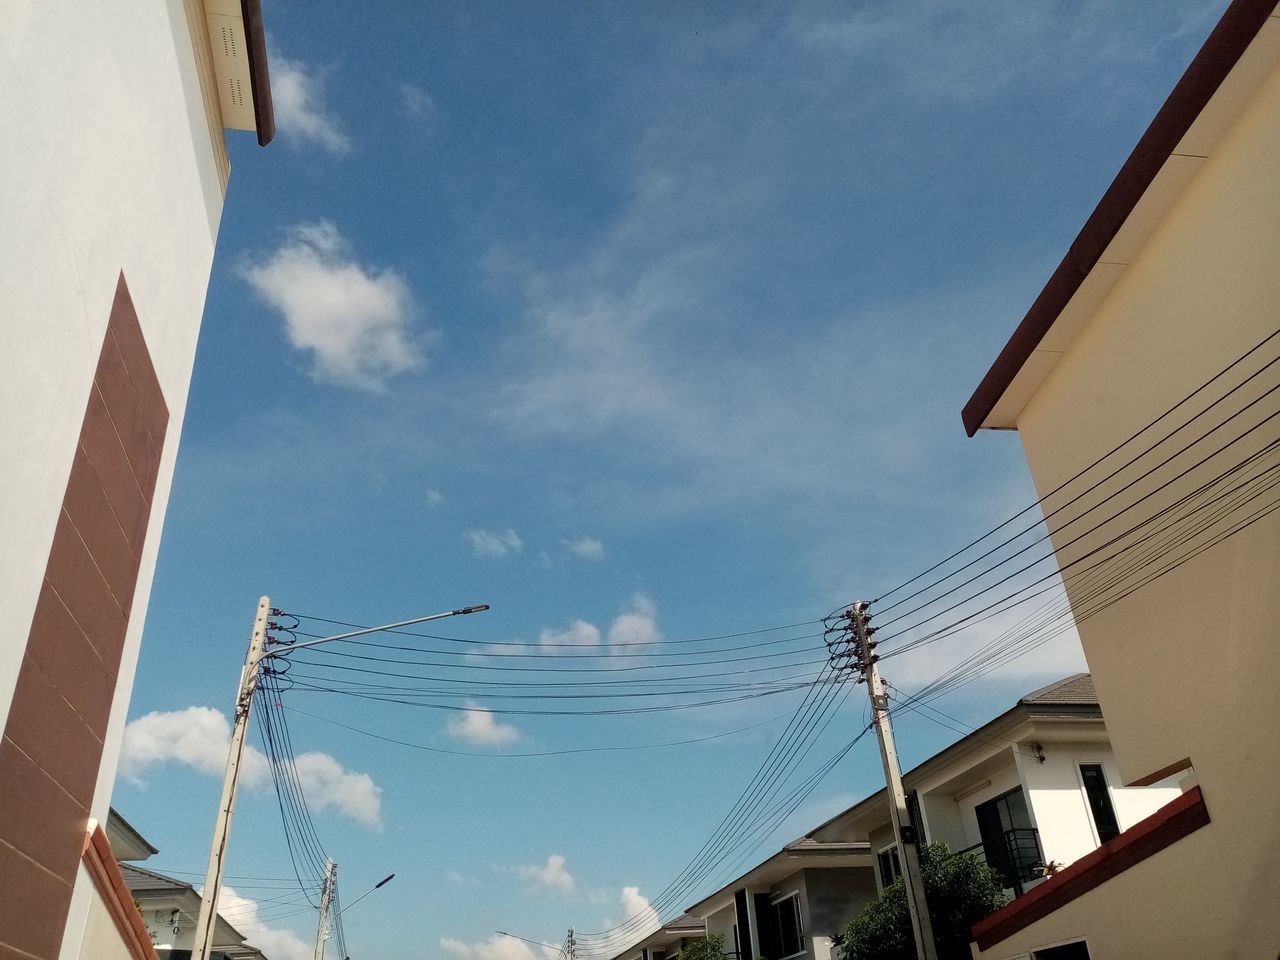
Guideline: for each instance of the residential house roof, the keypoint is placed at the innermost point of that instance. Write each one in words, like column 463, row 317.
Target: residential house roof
column 126, row 842
column 796, row 855
column 1161, row 166
column 148, row 885
column 1074, row 689
column 1071, row 698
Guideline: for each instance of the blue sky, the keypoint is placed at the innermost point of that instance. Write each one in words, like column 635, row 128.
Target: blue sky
column 645, row 318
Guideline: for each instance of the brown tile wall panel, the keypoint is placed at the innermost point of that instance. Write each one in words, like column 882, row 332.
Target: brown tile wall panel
column 47, row 729
column 33, row 905
column 56, row 639
column 26, row 791
column 51, row 748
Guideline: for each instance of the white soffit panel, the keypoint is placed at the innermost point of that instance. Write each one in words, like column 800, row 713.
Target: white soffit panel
column 230, row 50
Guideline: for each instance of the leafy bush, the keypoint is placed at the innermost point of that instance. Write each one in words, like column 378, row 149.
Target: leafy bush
column 961, row 890
column 710, row 947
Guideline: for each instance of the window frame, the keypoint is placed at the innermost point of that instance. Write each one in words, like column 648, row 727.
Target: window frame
column 774, row 901
column 1088, row 805
column 890, row 848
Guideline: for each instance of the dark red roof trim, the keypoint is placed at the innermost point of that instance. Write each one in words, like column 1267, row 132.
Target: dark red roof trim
column 1163, row 828
column 1226, row 44
column 259, row 75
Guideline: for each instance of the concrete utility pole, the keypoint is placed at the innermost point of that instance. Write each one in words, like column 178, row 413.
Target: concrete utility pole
column 207, row 922
column 571, row 945
column 326, row 898
column 249, row 675
column 903, row 829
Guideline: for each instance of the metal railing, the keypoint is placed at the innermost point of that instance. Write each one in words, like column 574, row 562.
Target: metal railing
column 1015, row 855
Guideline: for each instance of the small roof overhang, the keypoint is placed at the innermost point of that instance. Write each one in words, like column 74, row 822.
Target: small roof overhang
column 800, row 854
column 238, row 46
column 126, row 842
column 1237, row 57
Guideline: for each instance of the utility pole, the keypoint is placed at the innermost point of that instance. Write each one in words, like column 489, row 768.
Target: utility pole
column 861, row 656
column 571, row 945
column 207, row 922
column 326, row 898
column 258, row 652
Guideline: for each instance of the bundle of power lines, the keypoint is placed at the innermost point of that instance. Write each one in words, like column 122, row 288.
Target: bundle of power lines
column 1202, row 471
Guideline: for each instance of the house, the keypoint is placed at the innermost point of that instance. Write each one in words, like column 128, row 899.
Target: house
column 116, row 166
column 167, row 908
column 667, row 941
column 1149, row 353
column 170, row 908
column 1036, row 784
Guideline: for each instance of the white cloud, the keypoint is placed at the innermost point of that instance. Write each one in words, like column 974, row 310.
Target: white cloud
column 416, row 100
column 640, row 917
column 580, row 633
column 297, row 95
column 433, row 497
column 278, row 944
column 550, row 876
column 638, row 624
column 198, row 737
column 327, row 784
column 353, row 319
column 588, row 548
column 493, row 543
column 498, row 947
column 476, row 724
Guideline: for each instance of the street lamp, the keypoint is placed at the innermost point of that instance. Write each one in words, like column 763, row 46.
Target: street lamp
column 258, row 653
column 376, row 886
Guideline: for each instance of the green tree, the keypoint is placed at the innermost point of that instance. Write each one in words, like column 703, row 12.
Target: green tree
column 710, row 947
column 961, row 890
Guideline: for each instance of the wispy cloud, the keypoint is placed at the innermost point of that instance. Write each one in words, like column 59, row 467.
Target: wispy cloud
column 354, row 320
column 584, row 547
column 551, row 875
column 297, row 95
column 197, row 737
column 415, row 100
column 493, row 544
column 637, row 623
column 476, row 724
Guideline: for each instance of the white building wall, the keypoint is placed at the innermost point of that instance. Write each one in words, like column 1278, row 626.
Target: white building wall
column 1060, row 807
column 108, row 166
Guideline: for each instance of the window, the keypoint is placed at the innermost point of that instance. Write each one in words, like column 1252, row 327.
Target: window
column 1095, row 789
column 1010, row 844
column 1066, row 951
column 890, row 865
column 787, row 928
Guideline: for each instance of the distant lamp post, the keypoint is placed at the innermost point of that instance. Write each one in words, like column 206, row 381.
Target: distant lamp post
column 377, row 886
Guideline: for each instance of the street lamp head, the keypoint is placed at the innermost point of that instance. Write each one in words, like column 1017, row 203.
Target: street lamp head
column 383, row 883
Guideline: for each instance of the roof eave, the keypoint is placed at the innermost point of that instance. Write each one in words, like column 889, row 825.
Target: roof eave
column 259, row 72
column 1210, row 67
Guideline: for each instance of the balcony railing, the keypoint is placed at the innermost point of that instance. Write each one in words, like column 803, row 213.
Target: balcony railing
column 1015, row 855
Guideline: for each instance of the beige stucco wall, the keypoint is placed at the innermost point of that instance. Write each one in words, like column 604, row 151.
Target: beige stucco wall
column 1188, row 666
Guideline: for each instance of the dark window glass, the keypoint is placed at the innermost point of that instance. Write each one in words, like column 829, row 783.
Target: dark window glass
column 1008, row 840
column 890, row 866
column 1067, row 951
column 786, row 923
column 1095, row 788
